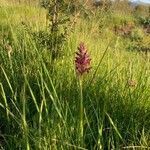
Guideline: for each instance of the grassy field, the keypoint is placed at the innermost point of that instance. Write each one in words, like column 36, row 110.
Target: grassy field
column 40, row 100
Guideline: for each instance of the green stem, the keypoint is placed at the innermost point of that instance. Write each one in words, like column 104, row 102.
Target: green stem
column 81, row 113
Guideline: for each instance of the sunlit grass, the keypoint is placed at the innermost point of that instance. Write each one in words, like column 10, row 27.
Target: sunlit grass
column 39, row 105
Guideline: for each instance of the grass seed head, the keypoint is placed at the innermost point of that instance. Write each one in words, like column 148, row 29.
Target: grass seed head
column 132, row 83
column 9, row 49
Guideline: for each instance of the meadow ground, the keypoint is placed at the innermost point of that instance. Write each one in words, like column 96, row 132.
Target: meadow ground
column 40, row 100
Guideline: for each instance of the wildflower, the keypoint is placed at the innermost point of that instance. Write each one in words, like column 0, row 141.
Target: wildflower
column 82, row 61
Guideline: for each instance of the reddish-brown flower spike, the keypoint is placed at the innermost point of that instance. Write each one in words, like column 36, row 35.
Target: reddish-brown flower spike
column 82, row 60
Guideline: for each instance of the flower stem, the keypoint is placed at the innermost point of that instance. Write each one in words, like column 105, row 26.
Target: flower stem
column 81, row 113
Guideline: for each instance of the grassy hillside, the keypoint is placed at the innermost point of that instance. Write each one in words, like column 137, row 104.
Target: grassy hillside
column 40, row 98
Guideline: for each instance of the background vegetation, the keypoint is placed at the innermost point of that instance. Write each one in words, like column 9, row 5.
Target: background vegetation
column 40, row 92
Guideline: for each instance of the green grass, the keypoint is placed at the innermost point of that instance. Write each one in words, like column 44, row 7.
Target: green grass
column 39, row 106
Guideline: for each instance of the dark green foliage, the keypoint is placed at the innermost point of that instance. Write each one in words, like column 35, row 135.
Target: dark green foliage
column 145, row 21
column 58, row 26
column 59, row 23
